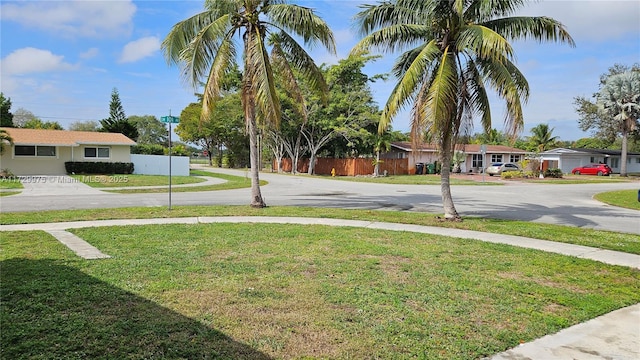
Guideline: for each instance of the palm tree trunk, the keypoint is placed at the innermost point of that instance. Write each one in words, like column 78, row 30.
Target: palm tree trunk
column 256, row 195
column 450, row 212
column 376, row 169
column 248, row 97
column 623, row 152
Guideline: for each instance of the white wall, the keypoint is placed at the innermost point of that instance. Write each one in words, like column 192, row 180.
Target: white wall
column 159, row 165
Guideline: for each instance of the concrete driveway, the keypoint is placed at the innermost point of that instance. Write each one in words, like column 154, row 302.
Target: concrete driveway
column 55, row 185
column 571, row 205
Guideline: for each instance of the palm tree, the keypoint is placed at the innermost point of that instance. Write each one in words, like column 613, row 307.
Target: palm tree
column 455, row 49
column 204, row 46
column 620, row 99
column 4, row 138
column 542, row 138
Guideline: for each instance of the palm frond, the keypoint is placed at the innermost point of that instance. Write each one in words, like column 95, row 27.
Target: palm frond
column 303, row 22
column 262, row 77
column 484, row 43
column 300, row 60
column 441, row 101
column 283, row 68
column 540, row 28
column 223, row 62
column 394, row 38
column 409, row 82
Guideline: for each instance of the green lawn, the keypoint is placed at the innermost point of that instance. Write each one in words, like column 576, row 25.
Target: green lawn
column 231, row 182
column 10, row 186
column 118, row 180
column 622, row 198
column 595, row 238
column 248, row 291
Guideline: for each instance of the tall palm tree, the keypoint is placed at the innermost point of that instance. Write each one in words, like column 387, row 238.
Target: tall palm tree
column 205, row 47
column 620, row 99
column 541, row 137
column 452, row 50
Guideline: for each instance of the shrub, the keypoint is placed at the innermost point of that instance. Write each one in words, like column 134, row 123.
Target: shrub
column 511, row 174
column 148, row 149
column 553, row 173
column 78, row 167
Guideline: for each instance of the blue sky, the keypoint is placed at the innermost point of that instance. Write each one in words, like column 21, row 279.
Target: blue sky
column 61, row 59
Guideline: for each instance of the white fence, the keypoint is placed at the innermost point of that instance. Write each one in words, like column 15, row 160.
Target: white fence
column 159, row 165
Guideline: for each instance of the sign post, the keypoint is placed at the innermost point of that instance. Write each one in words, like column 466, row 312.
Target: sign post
column 170, row 120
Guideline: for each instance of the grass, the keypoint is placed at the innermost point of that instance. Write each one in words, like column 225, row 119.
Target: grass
column 252, row 291
column 595, row 238
column 231, row 182
column 107, row 181
column 10, row 186
column 622, row 198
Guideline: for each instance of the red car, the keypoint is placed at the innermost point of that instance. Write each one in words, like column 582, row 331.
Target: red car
column 593, row 169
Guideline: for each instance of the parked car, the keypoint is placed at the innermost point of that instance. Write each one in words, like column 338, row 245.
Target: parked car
column 593, row 169
column 499, row 168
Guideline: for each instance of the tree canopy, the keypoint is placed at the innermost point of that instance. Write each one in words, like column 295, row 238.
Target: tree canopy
column 6, row 117
column 117, row 121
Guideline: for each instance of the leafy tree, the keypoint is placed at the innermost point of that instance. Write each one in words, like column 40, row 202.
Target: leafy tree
column 591, row 118
column 89, row 125
column 21, row 116
column 541, row 138
column 459, row 49
column 5, row 138
column 619, row 99
column 117, row 121
column 6, row 117
column 150, row 130
column 36, row 123
column 490, row 137
column 591, row 143
column 223, row 126
column 203, row 45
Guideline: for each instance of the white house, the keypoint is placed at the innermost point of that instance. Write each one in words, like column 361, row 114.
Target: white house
column 44, row 152
column 568, row 159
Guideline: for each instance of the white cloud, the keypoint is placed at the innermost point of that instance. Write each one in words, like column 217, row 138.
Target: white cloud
column 139, row 49
column 590, row 20
column 76, row 18
column 89, row 54
column 31, row 60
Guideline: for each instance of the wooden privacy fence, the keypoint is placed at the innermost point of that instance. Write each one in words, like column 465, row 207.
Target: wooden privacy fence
column 349, row 167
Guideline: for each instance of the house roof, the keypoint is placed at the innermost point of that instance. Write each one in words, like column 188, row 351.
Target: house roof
column 467, row 148
column 605, row 152
column 65, row 138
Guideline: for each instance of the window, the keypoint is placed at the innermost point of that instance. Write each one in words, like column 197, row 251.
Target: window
column 514, row 158
column 496, row 158
column 96, row 152
column 33, row 150
column 592, row 159
column 476, row 160
column 615, row 162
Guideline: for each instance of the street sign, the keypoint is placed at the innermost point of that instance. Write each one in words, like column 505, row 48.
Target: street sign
column 170, row 119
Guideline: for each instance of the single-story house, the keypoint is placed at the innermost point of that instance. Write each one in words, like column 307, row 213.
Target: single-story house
column 567, row 159
column 474, row 159
column 44, row 152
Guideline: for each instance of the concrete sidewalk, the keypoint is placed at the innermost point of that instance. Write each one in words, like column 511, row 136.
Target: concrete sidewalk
column 612, row 336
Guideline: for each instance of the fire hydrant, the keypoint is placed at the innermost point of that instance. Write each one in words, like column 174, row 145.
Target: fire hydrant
column 333, row 172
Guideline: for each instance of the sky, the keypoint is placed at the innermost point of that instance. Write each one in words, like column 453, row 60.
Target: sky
column 61, row 59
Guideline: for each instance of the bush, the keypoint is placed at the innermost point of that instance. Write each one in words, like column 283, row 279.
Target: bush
column 511, row 174
column 77, row 167
column 553, row 173
column 148, row 149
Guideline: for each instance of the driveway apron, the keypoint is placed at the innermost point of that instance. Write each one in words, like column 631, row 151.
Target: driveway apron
column 47, row 185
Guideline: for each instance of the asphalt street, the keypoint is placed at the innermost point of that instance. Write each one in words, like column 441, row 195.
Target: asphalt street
column 570, row 204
